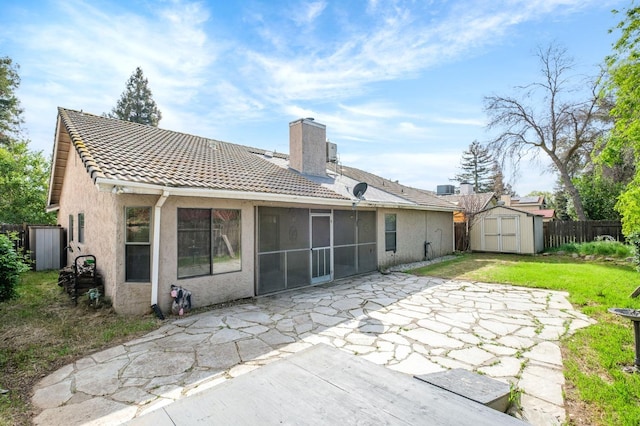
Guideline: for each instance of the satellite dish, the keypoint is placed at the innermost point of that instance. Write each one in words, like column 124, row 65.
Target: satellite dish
column 359, row 190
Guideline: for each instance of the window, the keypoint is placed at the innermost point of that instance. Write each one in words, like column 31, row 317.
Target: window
column 70, row 236
column 138, row 244
column 194, row 242
column 81, row 227
column 208, row 242
column 226, row 241
column 390, row 232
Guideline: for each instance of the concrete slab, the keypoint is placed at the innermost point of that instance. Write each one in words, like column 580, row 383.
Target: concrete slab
column 325, row 386
column 478, row 388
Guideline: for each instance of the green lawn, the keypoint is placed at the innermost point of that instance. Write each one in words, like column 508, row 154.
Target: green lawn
column 41, row 331
column 597, row 389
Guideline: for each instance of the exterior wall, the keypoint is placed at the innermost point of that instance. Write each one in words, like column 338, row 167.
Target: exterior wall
column 79, row 195
column 105, row 238
column 413, row 229
column 527, row 241
column 129, row 298
column 538, row 234
column 209, row 289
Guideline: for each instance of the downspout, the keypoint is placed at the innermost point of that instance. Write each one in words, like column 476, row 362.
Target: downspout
column 155, row 256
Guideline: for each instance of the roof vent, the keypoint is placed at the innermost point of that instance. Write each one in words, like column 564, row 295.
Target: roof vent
column 268, row 154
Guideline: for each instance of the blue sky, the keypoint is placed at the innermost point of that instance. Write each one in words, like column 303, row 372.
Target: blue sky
column 399, row 84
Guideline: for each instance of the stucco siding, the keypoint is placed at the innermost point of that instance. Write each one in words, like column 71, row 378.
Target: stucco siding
column 209, row 289
column 79, row 195
column 413, row 229
column 130, row 298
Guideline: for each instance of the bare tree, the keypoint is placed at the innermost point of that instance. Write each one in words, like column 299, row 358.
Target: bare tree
column 552, row 117
column 471, row 206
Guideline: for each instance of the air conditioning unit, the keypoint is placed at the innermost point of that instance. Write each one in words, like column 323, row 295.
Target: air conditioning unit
column 332, row 152
column 445, row 190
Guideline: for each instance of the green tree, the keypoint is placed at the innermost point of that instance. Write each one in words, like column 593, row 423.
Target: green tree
column 500, row 187
column 623, row 67
column 561, row 204
column 478, row 168
column 545, row 120
column 136, row 103
column 24, row 175
column 10, row 111
column 599, row 195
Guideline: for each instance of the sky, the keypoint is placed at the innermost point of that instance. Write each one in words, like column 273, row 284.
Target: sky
column 399, row 84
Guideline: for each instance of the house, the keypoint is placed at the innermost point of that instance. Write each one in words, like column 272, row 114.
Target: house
column 534, row 204
column 226, row 221
column 468, row 200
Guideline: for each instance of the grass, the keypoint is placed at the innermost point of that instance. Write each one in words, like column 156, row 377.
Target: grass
column 597, row 391
column 42, row 331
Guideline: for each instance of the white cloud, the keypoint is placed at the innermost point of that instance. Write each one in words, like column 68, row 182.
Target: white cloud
column 397, row 42
column 417, row 169
column 303, row 14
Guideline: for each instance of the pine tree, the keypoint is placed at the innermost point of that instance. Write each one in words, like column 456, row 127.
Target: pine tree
column 477, row 168
column 498, row 184
column 24, row 175
column 10, row 110
column 136, row 103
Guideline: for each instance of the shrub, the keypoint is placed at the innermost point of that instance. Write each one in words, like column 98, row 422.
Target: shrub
column 11, row 266
column 634, row 240
column 600, row 248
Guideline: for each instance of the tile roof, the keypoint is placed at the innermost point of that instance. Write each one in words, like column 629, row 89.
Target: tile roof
column 121, row 150
column 418, row 196
column 131, row 152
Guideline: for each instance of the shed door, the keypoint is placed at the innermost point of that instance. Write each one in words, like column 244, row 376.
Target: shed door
column 501, row 234
column 491, row 234
column 509, row 234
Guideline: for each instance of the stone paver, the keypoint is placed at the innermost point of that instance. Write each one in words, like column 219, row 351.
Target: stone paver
column 416, row 325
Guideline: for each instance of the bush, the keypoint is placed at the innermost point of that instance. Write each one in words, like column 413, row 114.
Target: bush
column 11, row 266
column 634, row 240
column 600, row 248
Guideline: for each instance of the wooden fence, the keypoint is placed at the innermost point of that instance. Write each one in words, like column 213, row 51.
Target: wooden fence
column 460, row 230
column 557, row 233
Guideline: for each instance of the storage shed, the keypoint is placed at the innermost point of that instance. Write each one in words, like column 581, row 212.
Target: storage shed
column 46, row 246
column 504, row 229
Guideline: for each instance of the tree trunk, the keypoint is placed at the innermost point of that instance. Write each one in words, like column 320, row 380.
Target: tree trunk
column 573, row 192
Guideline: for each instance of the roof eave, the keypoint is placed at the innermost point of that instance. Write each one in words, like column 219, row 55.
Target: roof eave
column 127, row 187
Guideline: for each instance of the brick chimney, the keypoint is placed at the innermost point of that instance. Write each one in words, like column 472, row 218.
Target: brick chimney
column 308, row 147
